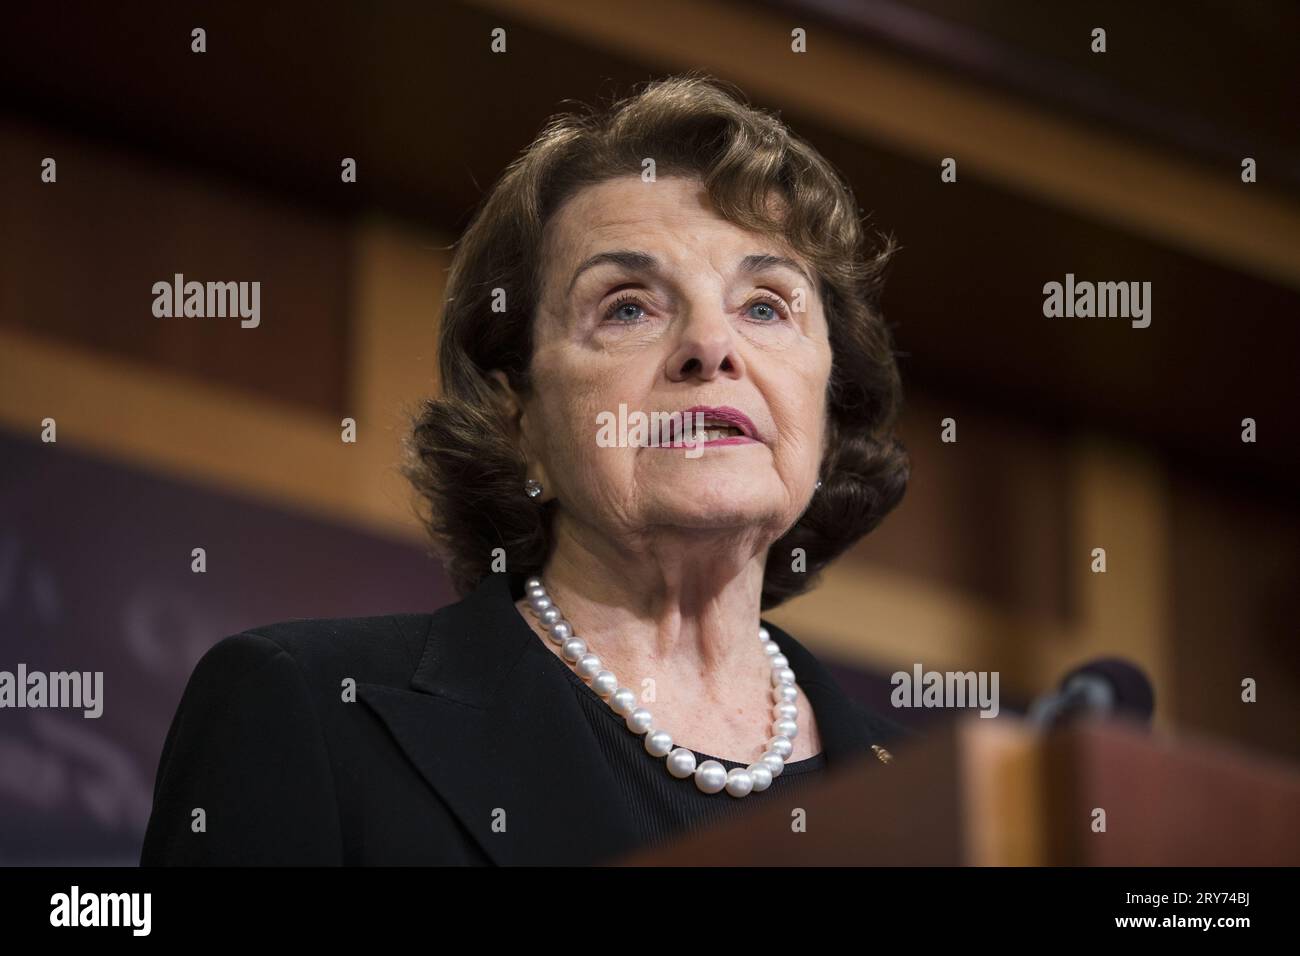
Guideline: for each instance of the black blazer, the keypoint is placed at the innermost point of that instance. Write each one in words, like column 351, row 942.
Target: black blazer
column 455, row 714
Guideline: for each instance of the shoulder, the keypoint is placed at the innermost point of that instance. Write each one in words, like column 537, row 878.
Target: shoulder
column 297, row 667
column 253, row 734
column 383, row 649
column 303, row 637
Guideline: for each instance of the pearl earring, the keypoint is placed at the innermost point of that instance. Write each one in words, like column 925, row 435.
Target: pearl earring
column 532, row 487
column 817, row 486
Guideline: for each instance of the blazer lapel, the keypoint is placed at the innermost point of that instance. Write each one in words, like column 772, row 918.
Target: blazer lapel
column 844, row 736
column 504, row 743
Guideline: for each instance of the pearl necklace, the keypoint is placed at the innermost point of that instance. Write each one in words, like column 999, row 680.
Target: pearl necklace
column 710, row 776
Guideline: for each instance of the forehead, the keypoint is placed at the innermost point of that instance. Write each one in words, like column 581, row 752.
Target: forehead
column 674, row 210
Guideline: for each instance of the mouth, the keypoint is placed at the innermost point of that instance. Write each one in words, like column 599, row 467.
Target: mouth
column 711, row 426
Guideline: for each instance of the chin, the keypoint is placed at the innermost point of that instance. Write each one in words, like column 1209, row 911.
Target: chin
column 715, row 509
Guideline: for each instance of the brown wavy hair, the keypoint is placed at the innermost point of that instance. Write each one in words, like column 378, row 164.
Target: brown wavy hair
column 461, row 460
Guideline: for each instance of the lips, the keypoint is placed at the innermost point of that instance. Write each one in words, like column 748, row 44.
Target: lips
column 720, row 417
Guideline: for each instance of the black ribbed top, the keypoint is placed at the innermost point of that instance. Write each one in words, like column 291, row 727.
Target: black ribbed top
column 663, row 806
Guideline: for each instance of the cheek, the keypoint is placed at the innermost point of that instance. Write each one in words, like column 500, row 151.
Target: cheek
column 572, row 401
column 800, row 407
column 802, row 429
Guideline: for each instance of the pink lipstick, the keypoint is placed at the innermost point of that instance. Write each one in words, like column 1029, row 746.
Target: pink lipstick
column 716, row 418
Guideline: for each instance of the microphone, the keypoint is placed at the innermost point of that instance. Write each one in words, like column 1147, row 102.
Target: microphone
column 1105, row 687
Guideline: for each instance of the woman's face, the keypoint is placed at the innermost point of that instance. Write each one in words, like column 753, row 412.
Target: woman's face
column 692, row 311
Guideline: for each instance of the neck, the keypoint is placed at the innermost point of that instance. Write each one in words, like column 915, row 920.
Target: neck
column 677, row 602
column 680, row 608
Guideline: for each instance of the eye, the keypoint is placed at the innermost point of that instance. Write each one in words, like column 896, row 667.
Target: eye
column 766, row 310
column 621, row 310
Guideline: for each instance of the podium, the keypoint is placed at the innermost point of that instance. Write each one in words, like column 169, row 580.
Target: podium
column 998, row 793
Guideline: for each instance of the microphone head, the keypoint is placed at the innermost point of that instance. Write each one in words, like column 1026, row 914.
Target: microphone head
column 1118, row 686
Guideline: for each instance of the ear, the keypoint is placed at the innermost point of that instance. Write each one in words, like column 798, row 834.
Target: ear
column 509, row 402
column 512, row 408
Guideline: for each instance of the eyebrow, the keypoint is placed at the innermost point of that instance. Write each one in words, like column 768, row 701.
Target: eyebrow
column 635, row 261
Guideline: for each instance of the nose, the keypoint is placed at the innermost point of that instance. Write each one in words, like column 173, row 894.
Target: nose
column 706, row 349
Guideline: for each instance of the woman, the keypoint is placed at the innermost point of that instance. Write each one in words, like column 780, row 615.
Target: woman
column 606, row 681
